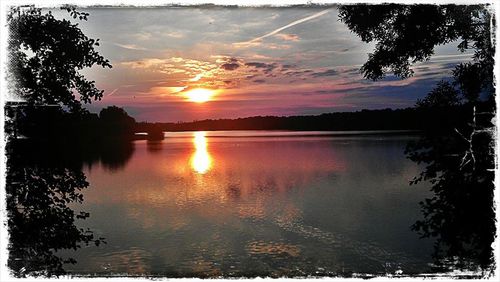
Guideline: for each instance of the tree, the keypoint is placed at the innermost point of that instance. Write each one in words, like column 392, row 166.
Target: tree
column 444, row 95
column 46, row 56
column 458, row 154
column 406, row 34
column 116, row 122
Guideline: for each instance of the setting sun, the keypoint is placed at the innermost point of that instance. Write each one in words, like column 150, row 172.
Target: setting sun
column 199, row 95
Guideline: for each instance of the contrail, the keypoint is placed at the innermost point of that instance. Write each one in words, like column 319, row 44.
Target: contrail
column 124, row 86
column 112, row 92
column 131, row 47
column 319, row 14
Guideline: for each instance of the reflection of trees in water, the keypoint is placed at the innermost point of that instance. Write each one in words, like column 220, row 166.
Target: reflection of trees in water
column 115, row 154
column 457, row 145
column 154, row 146
column 112, row 153
column 460, row 214
column 41, row 183
column 40, row 221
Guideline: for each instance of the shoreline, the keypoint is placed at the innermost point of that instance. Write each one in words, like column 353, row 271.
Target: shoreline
column 285, row 133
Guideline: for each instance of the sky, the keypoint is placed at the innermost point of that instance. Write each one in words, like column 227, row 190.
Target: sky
column 255, row 61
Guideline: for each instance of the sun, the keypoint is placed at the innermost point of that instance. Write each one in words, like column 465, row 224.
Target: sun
column 199, row 95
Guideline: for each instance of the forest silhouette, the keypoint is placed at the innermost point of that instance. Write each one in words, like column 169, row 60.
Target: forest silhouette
column 385, row 119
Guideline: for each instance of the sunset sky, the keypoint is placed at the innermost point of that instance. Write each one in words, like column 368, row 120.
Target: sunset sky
column 248, row 61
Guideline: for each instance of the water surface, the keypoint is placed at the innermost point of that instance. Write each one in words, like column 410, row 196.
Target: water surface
column 256, row 203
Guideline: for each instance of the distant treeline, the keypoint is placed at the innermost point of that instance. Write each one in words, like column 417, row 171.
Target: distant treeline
column 54, row 124
column 386, row 119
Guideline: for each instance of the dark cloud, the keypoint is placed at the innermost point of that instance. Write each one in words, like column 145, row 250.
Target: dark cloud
column 259, row 81
column 449, row 65
column 434, row 74
column 329, row 72
column 264, row 66
column 353, row 71
column 330, row 91
column 422, row 68
column 298, row 72
column 257, row 65
column 391, row 77
column 230, row 66
column 230, row 83
column 410, row 92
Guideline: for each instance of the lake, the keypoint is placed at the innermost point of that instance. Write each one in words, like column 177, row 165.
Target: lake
column 256, row 203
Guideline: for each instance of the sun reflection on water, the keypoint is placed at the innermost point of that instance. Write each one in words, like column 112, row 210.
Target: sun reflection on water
column 201, row 161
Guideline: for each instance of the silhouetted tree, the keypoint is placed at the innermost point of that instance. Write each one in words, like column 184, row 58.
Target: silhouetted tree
column 406, row 34
column 115, row 122
column 458, row 153
column 443, row 96
column 46, row 56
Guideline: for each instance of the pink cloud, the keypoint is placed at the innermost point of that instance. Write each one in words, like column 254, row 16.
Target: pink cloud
column 287, row 36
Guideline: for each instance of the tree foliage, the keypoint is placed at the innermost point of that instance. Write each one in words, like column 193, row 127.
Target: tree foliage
column 457, row 154
column 115, row 121
column 442, row 96
column 46, row 56
column 115, row 114
column 406, row 34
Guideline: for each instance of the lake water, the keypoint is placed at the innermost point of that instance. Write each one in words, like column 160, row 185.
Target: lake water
column 256, row 203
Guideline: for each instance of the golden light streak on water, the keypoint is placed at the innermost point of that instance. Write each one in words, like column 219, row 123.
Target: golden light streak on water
column 201, row 161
